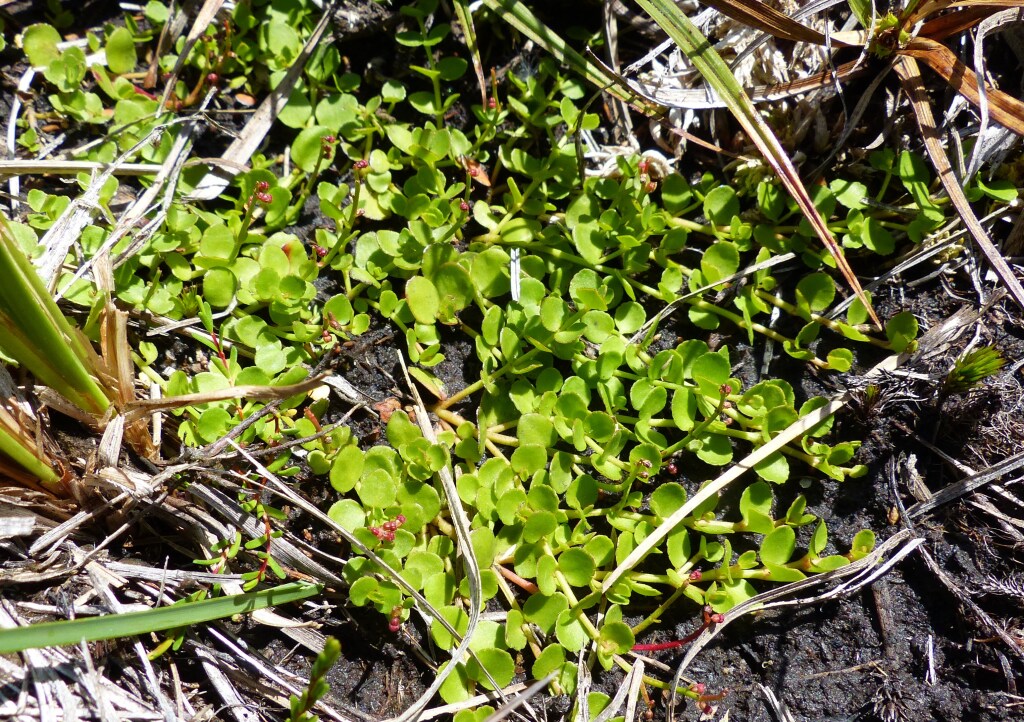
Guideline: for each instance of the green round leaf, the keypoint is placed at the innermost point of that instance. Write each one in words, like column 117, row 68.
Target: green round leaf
column 544, row 610
column 308, row 147
column 121, row 56
column 497, row 662
column 377, row 489
column 720, row 260
column 219, row 287
column 577, row 566
column 667, row 498
column 721, row 205
column 570, row 631
column 777, row 547
column 615, row 638
column 40, row 44
column 549, row 661
column 346, row 468
column 423, row 299
column 348, row 514
column 815, row 291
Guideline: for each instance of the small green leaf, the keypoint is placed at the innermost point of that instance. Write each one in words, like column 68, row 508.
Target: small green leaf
column 901, row 330
column 815, row 292
column 778, row 546
column 667, row 498
column 121, row 55
column 40, row 44
column 423, row 299
column 721, row 205
column 577, row 566
column 615, row 638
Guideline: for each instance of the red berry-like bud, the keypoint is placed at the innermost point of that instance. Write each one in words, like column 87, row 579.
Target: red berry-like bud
column 643, row 166
column 492, row 103
column 651, row 186
column 672, row 468
column 717, row 618
column 212, row 79
column 699, row 687
column 264, row 197
column 706, row 708
column 473, row 170
column 464, row 206
column 319, row 250
column 361, row 163
column 400, row 519
column 727, row 421
column 330, row 139
column 645, row 463
column 394, row 625
column 262, row 186
column 389, row 535
column 725, row 389
column 375, row 531
column 696, row 575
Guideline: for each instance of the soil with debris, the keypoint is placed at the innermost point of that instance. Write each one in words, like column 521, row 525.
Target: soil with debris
column 939, row 637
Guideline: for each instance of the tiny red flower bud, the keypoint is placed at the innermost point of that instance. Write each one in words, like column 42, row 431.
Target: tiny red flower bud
column 649, row 715
column 400, row 519
column 696, row 575
column 672, row 468
column 725, row 389
column 212, row 79
column 699, row 687
column 264, row 197
column 319, row 250
column 645, row 463
column 330, row 139
column 394, row 625
column 643, row 166
column 464, row 206
column 717, row 618
column 707, row 708
column 262, row 186
column 361, row 163
column 727, row 421
column 389, row 535
column 651, row 186
column 375, row 531
column 473, row 170
column 492, row 103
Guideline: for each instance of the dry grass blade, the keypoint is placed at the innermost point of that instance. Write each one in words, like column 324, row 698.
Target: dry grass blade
column 1003, row 108
column 965, row 486
column 767, row 19
column 910, row 75
column 143, row 407
column 720, row 78
column 465, row 16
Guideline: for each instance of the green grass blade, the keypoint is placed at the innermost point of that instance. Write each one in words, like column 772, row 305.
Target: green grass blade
column 115, row 626
column 18, row 444
column 35, row 333
column 721, row 79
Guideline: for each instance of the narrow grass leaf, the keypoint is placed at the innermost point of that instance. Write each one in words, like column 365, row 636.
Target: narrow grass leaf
column 116, row 626
column 35, row 333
